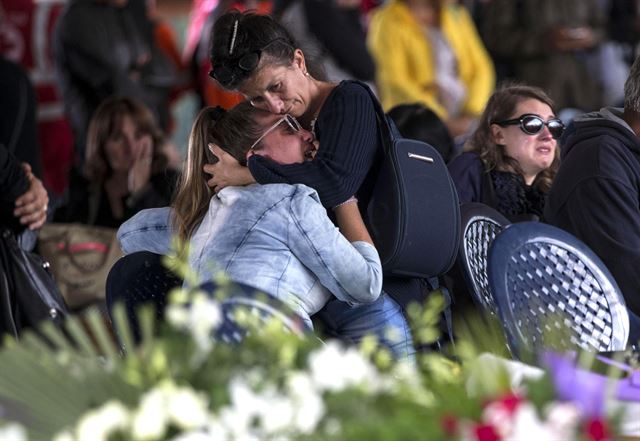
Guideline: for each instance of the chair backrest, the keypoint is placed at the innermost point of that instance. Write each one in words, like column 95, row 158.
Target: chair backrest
column 136, row 279
column 262, row 309
column 480, row 225
column 547, row 283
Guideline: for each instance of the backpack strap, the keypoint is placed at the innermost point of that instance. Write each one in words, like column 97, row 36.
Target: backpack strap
column 388, row 130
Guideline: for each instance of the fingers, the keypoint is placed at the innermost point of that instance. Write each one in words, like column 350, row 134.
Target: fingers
column 27, row 198
column 34, row 220
column 209, row 169
column 27, row 168
column 217, row 151
column 31, row 207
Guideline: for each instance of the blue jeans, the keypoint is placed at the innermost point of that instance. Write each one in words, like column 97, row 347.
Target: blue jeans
column 383, row 318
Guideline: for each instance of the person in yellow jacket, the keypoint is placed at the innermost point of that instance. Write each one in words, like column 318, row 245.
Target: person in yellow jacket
column 429, row 52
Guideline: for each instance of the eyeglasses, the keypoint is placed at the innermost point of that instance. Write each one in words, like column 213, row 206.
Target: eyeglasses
column 291, row 122
column 225, row 75
column 532, row 124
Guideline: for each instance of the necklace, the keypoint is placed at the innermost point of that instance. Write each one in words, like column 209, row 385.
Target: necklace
column 313, row 126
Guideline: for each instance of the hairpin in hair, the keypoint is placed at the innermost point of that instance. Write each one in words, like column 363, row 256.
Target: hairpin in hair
column 233, row 37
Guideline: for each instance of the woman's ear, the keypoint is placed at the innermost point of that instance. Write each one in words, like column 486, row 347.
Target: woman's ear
column 299, row 61
column 497, row 134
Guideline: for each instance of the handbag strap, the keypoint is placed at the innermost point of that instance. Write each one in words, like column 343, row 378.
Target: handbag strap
column 83, row 246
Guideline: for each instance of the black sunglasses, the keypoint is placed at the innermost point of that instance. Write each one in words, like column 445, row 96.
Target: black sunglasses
column 532, row 124
column 225, row 75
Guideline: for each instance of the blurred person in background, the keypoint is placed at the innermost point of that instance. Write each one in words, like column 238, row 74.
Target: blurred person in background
column 18, row 131
column 513, row 155
column 429, row 51
column 26, row 29
column 547, row 44
column 104, row 48
column 332, row 32
column 126, row 169
column 415, row 121
column 596, row 195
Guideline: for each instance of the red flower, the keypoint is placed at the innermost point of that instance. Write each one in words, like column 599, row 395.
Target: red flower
column 485, row 433
column 597, row 430
column 510, row 402
column 449, row 424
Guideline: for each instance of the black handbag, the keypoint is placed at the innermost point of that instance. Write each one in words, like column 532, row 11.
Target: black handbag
column 414, row 213
column 28, row 292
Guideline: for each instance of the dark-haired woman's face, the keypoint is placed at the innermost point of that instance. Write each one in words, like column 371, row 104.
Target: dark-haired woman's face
column 534, row 153
column 279, row 89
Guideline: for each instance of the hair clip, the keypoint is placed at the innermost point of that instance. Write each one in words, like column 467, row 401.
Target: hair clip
column 233, row 37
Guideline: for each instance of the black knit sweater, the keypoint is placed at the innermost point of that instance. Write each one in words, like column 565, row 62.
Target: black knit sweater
column 350, row 152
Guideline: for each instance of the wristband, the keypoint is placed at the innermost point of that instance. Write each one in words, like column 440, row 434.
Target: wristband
column 348, row 201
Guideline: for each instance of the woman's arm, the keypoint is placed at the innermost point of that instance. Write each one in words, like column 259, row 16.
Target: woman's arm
column 351, row 271
column 348, row 133
column 149, row 230
column 350, row 222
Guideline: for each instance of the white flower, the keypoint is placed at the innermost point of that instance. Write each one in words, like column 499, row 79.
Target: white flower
column 187, row 409
column 309, row 412
column 216, row 430
column 310, row 407
column 563, row 419
column 235, row 422
column 99, row 424
column 527, row 426
column 13, row 432
column 497, row 415
column 333, row 368
column 150, row 420
column 278, row 415
column 204, row 318
column 201, row 317
column 243, row 397
column 177, row 315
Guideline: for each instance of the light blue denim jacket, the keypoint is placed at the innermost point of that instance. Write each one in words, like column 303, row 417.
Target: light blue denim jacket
column 276, row 238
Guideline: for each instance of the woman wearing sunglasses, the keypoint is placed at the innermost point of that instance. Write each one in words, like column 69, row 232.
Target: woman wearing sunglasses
column 513, row 154
column 275, row 238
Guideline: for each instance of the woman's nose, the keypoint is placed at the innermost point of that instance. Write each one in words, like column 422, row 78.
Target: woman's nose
column 275, row 104
column 306, row 135
column 545, row 133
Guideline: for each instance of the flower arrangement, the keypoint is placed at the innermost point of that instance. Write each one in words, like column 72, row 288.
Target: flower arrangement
column 180, row 384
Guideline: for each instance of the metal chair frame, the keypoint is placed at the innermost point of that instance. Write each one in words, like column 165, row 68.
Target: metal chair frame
column 480, row 225
column 546, row 281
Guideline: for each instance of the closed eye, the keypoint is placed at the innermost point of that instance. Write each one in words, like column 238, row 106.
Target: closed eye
column 275, row 87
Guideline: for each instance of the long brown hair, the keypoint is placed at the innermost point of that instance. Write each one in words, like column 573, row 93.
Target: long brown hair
column 106, row 120
column 234, row 132
column 500, row 107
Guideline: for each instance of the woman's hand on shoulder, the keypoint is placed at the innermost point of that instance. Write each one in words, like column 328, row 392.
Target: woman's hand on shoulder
column 227, row 171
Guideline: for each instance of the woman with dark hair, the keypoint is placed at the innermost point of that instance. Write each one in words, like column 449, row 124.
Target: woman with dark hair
column 513, row 154
column 255, row 55
column 275, row 238
column 416, row 121
column 125, row 167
